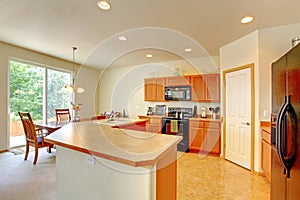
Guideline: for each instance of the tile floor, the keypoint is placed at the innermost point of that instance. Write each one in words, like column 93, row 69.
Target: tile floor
column 212, row 177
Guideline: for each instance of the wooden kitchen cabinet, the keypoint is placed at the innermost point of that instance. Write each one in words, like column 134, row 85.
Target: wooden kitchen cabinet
column 198, row 87
column 205, row 137
column 197, row 135
column 266, row 154
column 178, row 81
column 154, row 89
column 213, row 87
column 153, row 124
column 206, row 88
column 212, row 139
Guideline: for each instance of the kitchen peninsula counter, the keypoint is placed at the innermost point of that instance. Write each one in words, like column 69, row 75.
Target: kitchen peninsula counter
column 96, row 161
column 207, row 119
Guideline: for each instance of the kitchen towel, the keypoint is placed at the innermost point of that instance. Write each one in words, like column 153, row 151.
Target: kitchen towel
column 174, row 126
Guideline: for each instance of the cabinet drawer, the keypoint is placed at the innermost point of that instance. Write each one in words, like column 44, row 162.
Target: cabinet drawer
column 212, row 125
column 196, row 123
column 266, row 136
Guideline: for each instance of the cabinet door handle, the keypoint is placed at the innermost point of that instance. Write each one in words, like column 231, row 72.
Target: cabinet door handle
column 246, row 123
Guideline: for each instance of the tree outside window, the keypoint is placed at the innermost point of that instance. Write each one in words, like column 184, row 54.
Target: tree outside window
column 27, row 84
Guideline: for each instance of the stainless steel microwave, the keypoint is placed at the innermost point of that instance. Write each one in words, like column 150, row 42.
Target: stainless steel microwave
column 178, row 93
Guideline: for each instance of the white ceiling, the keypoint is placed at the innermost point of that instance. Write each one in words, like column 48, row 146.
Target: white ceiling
column 163, row 27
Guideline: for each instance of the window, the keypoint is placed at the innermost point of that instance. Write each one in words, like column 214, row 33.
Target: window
column 35, row 89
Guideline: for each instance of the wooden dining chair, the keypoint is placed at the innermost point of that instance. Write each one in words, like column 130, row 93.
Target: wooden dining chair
column 34, row 137
column 62, row 115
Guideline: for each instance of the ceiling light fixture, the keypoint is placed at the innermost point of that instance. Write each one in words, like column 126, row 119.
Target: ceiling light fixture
column 247, row 19
column 104, row 5
column 72, row 88
column 188, row 50
column 149, row 55
column 122, row 38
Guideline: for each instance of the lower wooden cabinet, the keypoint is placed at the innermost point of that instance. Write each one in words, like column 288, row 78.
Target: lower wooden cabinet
column 153, row 124
column 205, row 137
column 266, row 154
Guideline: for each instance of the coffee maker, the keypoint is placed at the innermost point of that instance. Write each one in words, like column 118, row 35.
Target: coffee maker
column 150, row 111
column 203, row 112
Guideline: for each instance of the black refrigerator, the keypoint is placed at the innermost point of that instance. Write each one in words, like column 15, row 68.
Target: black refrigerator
column 285, row 135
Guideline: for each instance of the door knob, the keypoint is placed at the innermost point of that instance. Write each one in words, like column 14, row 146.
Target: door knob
column 246, row 123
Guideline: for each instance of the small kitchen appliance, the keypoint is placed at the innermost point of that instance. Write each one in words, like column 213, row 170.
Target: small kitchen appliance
column 160, row 110
column 203, row 113
column 150, row 111
column 178, row 93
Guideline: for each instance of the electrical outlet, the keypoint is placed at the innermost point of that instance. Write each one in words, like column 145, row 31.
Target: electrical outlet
column 266, row 113
column 90, row 160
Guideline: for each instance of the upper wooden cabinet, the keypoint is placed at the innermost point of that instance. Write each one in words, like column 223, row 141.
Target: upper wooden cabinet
column 154, row 89
column 178, row 81
column 213, row 87
column 198, row 84
column 206, row 88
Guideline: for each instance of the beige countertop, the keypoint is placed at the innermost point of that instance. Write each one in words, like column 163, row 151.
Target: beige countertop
column 208, row 119
column 266, row 126
column 134, row 148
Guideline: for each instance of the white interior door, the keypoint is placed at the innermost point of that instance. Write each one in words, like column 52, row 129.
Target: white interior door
column 238, row 117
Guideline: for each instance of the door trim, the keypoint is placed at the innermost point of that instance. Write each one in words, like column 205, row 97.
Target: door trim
column 251, row 66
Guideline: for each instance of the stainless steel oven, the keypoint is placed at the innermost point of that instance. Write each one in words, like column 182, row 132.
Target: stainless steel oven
column 177, row 123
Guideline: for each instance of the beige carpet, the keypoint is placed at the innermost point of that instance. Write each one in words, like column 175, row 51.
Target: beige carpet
column 198, row 178
column 20, row 150
column 21, row 180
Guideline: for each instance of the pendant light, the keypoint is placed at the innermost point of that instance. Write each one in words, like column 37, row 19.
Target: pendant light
column 72, row 88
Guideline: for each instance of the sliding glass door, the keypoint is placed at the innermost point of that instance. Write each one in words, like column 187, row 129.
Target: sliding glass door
column 37, row 90
column 56, row 98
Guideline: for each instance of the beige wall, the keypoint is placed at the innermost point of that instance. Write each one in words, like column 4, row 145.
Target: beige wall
column 239, row 53
column 9, row 51
column 261, row 47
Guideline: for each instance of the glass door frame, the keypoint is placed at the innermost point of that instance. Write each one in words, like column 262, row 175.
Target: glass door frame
column 45, row 89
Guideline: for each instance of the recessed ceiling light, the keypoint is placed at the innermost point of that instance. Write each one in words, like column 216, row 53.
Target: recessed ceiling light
column 149, row 55
column 122, row 38
column 188, row 50
column 247, row 19
column 104, row 5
